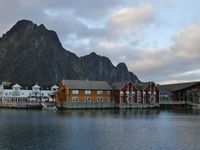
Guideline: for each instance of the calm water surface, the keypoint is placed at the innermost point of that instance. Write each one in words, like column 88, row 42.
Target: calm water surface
column 99, row 130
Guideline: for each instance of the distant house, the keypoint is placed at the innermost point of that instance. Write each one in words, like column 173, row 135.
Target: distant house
column 150, row 92
column 84, row 91
column 188, row 92
column 17, row 92
column 125, row 92
column 130, row 93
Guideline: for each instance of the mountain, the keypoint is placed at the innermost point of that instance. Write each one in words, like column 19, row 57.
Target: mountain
column 30, row 53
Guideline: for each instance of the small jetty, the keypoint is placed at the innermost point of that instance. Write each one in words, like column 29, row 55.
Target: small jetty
column 49, row 106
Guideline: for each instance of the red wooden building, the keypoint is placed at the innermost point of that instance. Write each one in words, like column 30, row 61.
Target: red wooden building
column 128, row 92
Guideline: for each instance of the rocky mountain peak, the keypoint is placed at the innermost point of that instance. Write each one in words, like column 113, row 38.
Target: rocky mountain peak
column 31, row 53
column 122, row 65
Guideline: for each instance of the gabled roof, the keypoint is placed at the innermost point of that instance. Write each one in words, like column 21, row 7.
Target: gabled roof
column 177, row 87
column 16, row 86
column 87, row 85
column 119, row 85
column 9, row 85
column 36, row 86
column 143, row 85
column 54, row 86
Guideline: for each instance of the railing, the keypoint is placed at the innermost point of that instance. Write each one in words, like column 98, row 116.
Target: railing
column 138, row 105
column 171, row 102
column 20, row 104
column 110, row 104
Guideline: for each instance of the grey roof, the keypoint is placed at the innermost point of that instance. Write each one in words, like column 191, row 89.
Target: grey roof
column 143, row 85
column 177, row 87
column 139, row 86
column 119, row 85
column 24, row 86
column 87, row 85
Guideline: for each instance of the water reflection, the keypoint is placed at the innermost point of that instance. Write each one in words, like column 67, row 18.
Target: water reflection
column 100, row 129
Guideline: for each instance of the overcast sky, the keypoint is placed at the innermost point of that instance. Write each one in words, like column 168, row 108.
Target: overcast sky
column 159, row 40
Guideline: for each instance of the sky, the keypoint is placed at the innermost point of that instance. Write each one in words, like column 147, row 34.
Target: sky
column 159, row 40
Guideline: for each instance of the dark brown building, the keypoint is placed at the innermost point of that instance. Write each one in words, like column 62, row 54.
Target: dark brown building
column 128, row 92
column 188, row 92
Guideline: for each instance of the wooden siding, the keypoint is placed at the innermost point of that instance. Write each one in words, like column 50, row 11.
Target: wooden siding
column 65, row 94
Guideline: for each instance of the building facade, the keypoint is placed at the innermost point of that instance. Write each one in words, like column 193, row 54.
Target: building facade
column 140, row 93
column 17, row 92
column 183, row 92
column 84, row 91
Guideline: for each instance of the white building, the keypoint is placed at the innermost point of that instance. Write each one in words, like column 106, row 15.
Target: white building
column 16, row 92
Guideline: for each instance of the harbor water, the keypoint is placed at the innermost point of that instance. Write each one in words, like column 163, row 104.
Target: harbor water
column 100, row 129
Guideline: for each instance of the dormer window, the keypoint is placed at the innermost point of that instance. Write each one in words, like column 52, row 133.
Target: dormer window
column 54, row 88
column 16, row 87
column 36, row 88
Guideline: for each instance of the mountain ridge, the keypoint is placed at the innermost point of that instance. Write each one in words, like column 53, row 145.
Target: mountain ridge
column 31, row 53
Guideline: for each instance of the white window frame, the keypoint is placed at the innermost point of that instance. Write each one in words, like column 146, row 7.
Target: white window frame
column 88, row 92
column 88, row 99
column 99, row 99
column 108, row 92
column 121, row 92
column 75, row 92
column 75, row 99
column 99, row 92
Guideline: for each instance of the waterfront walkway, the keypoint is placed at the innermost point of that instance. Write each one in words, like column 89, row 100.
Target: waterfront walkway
column 20, row 104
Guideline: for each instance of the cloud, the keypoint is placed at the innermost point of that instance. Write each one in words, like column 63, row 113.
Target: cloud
column 179, row 57
column 131, row 17
column 116, row 29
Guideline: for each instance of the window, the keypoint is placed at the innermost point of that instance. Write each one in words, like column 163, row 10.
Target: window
column 88, row 99
column 108, row 92
column 108, row 99
column 75, row 91
column 121, row 99
column 133, row 92
column 88, row 92
column 99, row 99
column 74, row 99
column 16, row 89
column 99, row 92
column 121, row 92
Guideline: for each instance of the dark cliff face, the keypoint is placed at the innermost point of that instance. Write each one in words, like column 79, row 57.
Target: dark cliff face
column 31, row 53
column 100, row 67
